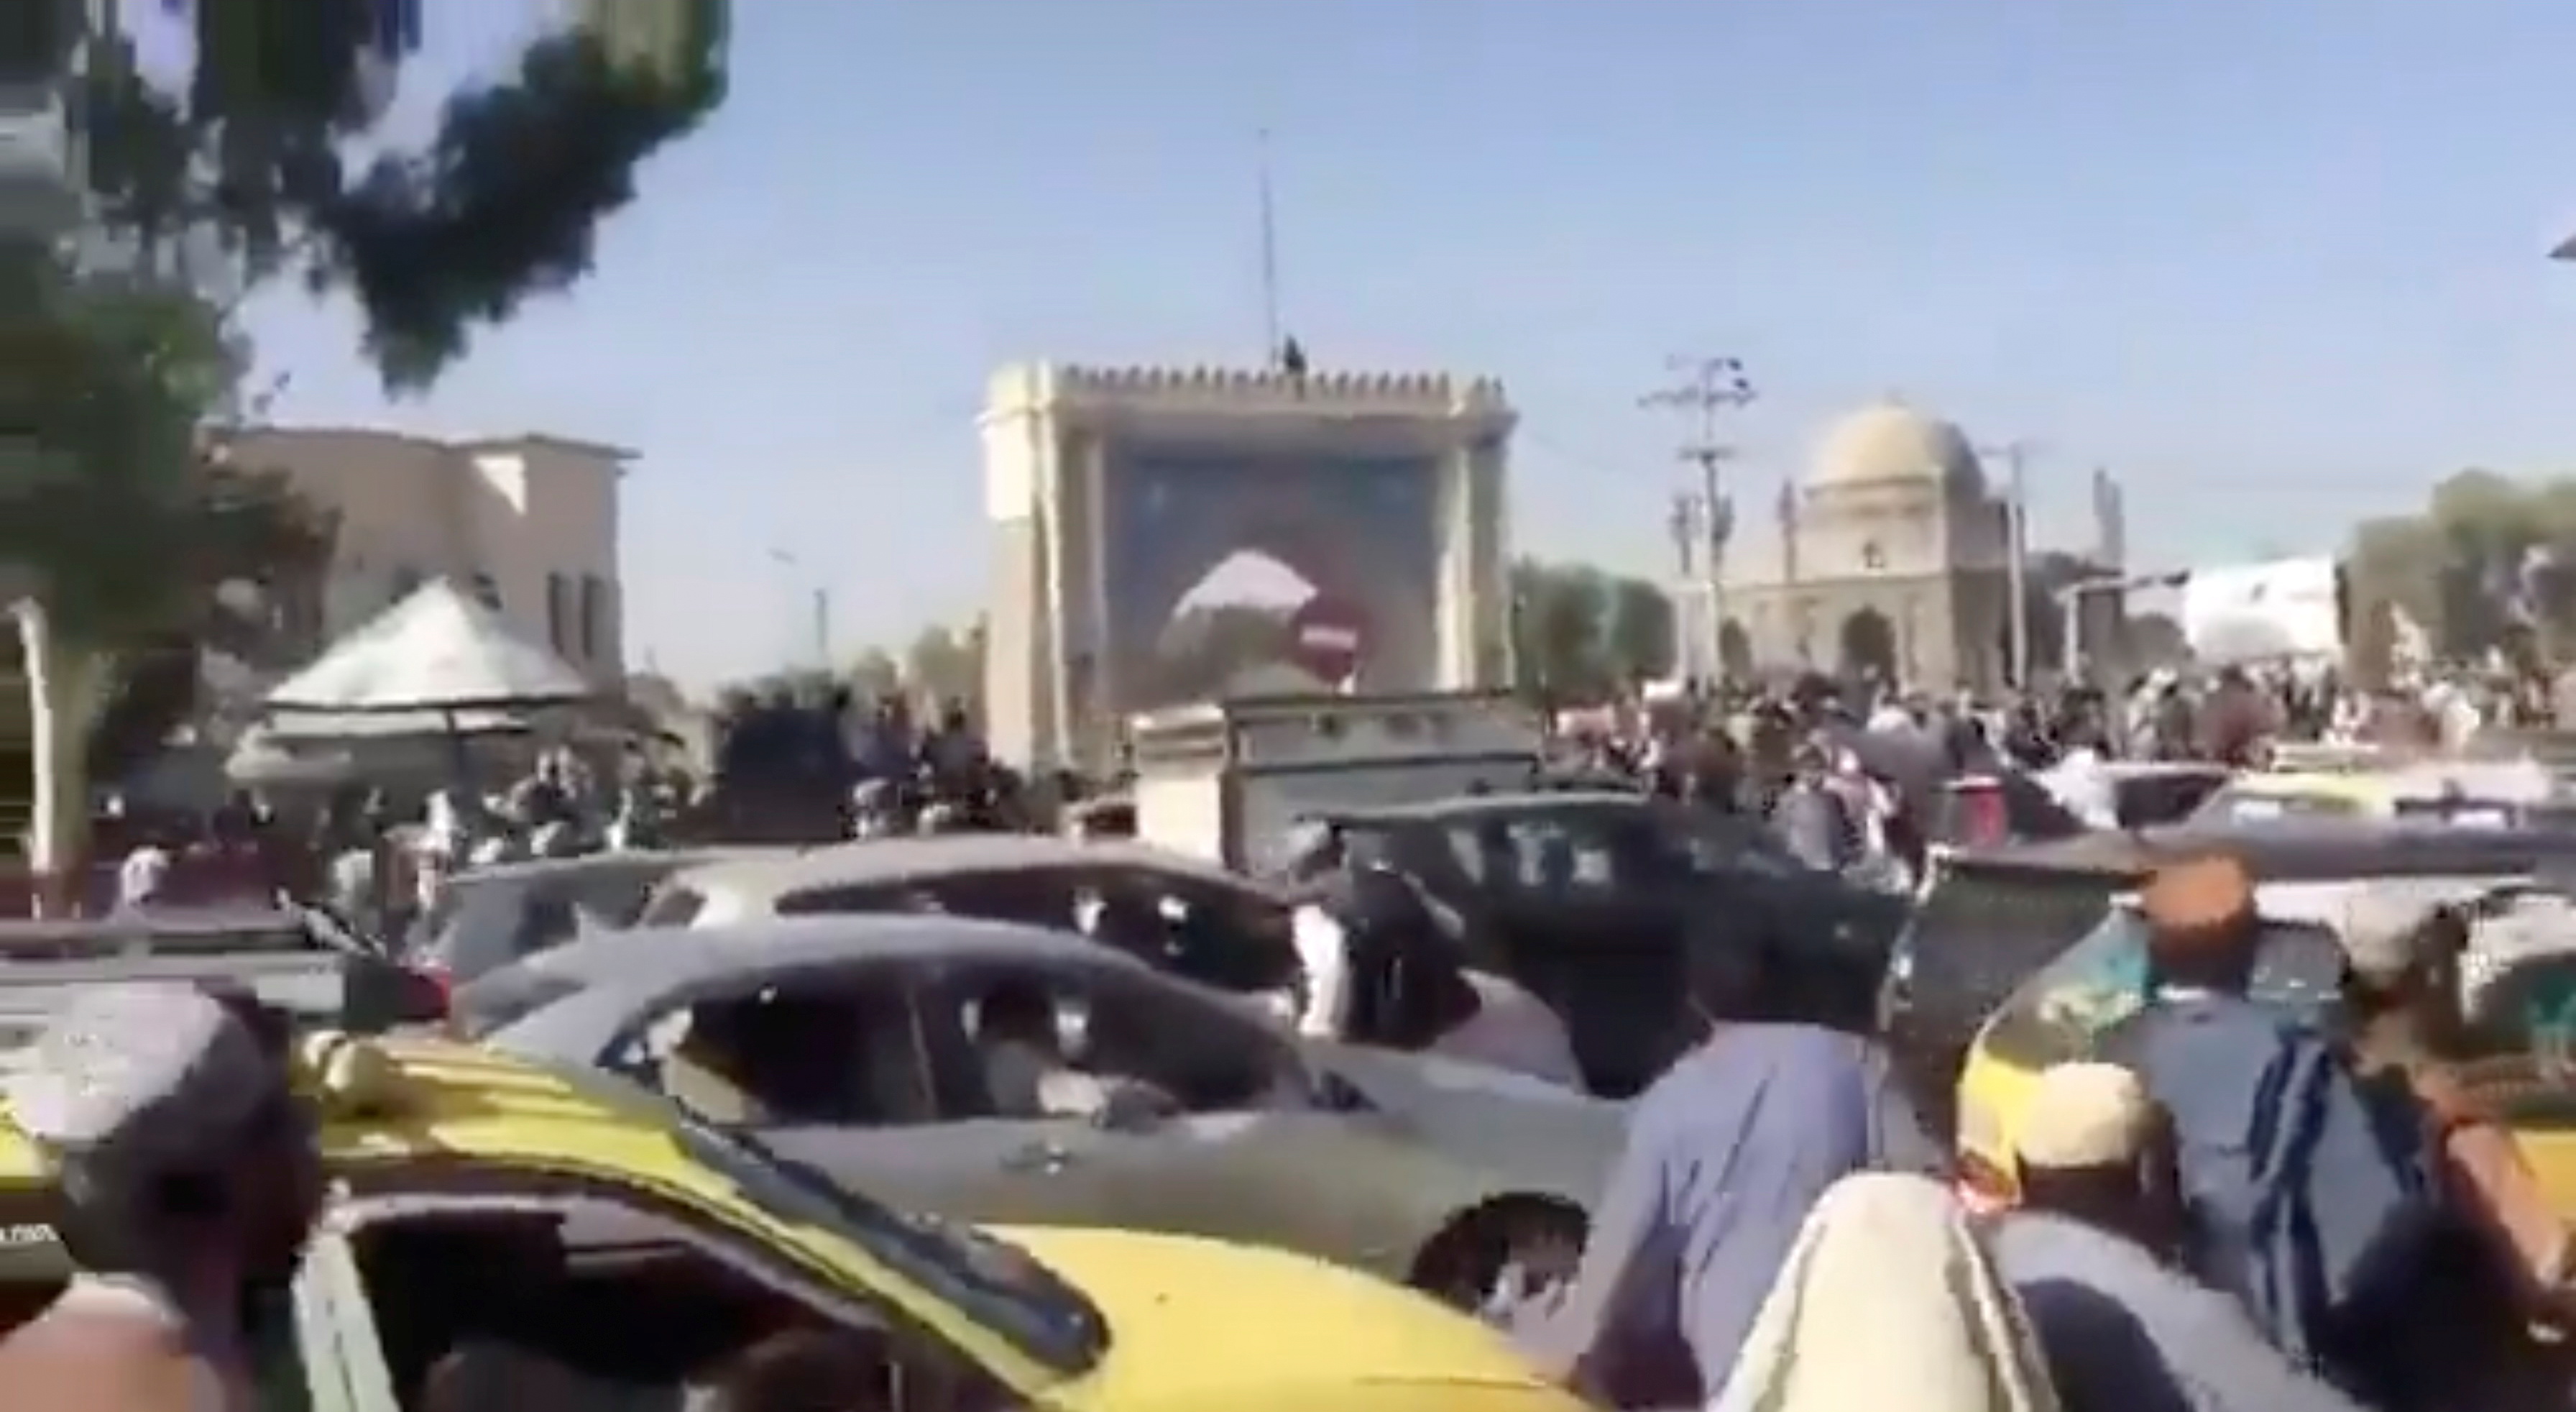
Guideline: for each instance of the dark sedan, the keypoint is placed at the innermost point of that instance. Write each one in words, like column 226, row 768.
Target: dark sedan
column 1605, row 904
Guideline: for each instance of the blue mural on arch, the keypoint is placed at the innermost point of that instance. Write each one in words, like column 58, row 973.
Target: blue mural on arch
column 1362, row 529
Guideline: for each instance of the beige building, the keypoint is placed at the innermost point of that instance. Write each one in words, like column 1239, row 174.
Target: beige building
column 1888, row 556
column 530, row 524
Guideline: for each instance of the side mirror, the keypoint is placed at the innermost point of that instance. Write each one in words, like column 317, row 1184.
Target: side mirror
column 1335, row 1094
column 1132, row 1107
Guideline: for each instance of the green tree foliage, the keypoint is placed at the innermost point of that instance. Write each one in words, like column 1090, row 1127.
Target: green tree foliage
column 2488, row 565
column 1581, row 635
column 140, row 541
column 239, row 171
column 253, row 151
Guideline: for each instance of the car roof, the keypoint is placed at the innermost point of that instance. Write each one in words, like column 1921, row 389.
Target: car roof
column 672, row 860
column 894, row 861
column 1467, row 806
column 2291, row 849
column 659, row 958
column 158, row 921
column 2152, row 769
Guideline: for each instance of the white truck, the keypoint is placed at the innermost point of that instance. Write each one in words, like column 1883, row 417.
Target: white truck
column 1227, row 780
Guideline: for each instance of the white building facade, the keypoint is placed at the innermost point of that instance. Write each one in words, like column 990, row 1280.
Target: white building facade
column 529, row 524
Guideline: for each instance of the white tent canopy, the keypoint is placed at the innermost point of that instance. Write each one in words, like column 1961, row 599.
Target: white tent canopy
column 438, row 650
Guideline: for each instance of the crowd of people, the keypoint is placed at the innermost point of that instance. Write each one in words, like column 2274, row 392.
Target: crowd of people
column 2230, row 1208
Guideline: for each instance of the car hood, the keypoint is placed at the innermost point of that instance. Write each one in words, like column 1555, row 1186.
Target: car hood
column 1198, row 1324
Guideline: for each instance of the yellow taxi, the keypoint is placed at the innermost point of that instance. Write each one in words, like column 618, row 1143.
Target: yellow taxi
column 506, row 1234
column 2522, row 1009
column 2360, row 782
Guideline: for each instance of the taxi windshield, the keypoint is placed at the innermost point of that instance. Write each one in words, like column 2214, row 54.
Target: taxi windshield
column 2103, row 979
column 998, row 1285
column 2238, row 804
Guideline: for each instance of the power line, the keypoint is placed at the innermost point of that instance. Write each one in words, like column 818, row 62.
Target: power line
column 1705, row 389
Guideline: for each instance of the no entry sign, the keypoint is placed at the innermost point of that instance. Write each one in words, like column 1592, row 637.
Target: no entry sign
column 1325, row 639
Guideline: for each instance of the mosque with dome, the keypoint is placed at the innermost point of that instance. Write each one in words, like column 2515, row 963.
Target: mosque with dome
column 1890, row 555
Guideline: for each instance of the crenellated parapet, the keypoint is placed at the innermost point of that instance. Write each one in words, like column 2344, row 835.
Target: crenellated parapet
column 1078, row 390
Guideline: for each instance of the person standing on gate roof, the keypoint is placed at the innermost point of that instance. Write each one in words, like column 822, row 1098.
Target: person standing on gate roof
column 2088, row 1250
column 1724, row 1156
column 190, row 1179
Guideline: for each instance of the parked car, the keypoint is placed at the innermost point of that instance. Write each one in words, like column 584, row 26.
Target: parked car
column 1602, row 903
column 1204, row 923
column 1992, row 918
column 874, row 1048
column 299, row 959
column 488, row 917
column 503, row 1234
column 2483, row 793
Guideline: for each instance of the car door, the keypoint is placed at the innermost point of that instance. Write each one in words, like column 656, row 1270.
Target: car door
column 336, row 1358
column 831, row 1068
column 1241, row 1151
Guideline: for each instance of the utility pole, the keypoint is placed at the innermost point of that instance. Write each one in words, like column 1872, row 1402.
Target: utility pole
column 2015, row 456
column 1682, row 523
column 1704, row 390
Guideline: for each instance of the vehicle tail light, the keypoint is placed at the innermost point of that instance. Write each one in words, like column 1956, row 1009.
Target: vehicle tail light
column 428, row 993
column 1983, row 818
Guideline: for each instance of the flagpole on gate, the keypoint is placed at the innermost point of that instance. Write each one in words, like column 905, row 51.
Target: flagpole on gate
column 1273, row 348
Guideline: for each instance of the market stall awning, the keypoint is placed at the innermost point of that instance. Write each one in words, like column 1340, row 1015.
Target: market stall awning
column 437, row 651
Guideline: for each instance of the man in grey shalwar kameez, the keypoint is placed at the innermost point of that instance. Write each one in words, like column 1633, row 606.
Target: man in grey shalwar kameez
column 1725, row 1154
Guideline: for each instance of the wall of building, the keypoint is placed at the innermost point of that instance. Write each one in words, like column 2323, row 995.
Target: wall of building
column 530, row 525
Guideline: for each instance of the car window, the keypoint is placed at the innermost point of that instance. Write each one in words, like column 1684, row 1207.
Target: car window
column 2055, row 1016
column 2163, row 796
column 1055, row 1041
column 1714, row 843
column 672, row 905
column 1981, row 929
column 1581, row 853
column 825, row 1048
column 588, row 1304
column 1232, row 938
column 2237, row 804
column 2527, row 1005
column 2478, row 813
column 1037, row 896
column 995, row 1283
column 505, row 996
column 500, row 923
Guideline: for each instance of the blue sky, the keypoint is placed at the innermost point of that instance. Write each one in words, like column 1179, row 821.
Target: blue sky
column 2278, row 265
